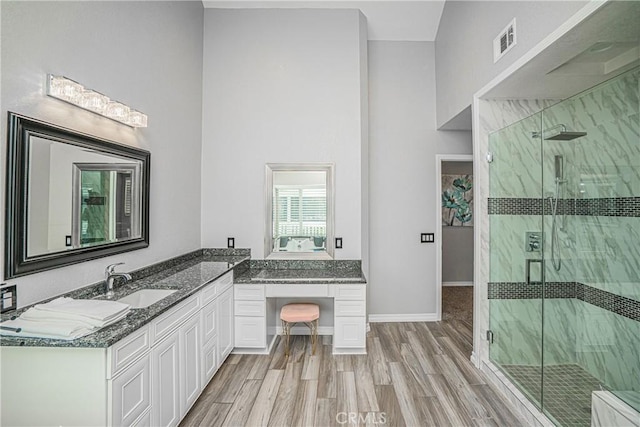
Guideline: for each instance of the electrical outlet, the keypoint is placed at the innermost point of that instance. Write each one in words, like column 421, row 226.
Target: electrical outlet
column 231, row 242
column 67, row 241
column 427, row 237
column 8, row 298
column 338, row 242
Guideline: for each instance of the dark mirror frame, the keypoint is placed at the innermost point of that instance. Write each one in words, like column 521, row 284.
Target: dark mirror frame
column 20, row 129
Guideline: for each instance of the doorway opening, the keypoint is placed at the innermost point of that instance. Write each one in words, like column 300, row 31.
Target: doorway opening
column 455, row 241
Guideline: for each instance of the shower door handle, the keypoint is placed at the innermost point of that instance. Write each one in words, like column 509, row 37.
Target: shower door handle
column 527, row 269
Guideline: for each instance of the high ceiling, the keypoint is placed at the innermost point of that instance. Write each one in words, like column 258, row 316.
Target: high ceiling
column 387, row 20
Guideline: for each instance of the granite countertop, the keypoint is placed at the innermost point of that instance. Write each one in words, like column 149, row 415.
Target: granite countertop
column 301, row 272
column 186, row 277
column 298, row 276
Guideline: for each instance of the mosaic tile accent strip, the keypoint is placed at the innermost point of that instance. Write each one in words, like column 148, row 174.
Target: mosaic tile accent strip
column 615, row 206
column 620, row 305
column 567, row 390
column 514, row 206
column 520, row 290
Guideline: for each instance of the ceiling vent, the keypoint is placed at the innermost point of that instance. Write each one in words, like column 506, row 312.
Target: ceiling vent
column 505, row 41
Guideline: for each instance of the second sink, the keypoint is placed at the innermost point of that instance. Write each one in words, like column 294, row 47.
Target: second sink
column 145, row 297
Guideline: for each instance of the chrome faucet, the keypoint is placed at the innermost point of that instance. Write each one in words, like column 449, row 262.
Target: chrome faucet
column 110, row 276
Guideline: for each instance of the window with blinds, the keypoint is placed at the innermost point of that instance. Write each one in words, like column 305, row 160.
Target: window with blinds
column 299, row 207
column 299, row 211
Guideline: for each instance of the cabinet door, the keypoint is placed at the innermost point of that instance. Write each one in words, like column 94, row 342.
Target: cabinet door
column 225, row 323
column 350, row 332
column 165, row 358
column 250, row 332
column 210, row 321
column 209, row 361
column 190, row 353
column 131, row 395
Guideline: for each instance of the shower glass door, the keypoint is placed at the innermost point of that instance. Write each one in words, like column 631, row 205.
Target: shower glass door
column 564, row 214
column 517, row 252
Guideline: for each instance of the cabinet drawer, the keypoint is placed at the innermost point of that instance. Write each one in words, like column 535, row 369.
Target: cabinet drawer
column 250, row 332
column 209, row 316
column 298, row 290
column 249, row 308
column 164, row 324
column 209, row 293
column 248, row 292
column 212, row 290
column 225, row 282
column 127, row 350
column 352, row 292
column 349, row 308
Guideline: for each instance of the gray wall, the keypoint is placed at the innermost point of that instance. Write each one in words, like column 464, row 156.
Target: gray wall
column 457, row 242
column 146, row 54
column 281, row 86
column 402, row 147
column 464, row 44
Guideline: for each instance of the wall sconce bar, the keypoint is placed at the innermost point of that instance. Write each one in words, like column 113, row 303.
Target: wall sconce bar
column 74, row 93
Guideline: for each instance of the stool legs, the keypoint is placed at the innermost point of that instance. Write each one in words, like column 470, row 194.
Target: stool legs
column 313, row 325
column 286, row 327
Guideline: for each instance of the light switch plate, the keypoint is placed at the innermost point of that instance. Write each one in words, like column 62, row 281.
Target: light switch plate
column 231, row 242
column 427, row 237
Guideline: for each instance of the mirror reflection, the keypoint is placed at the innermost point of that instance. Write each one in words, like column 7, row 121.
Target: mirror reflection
column 299, row 211
column 79, row 197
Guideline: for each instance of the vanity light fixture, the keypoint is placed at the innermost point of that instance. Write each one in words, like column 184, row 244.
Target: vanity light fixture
column 74, row 93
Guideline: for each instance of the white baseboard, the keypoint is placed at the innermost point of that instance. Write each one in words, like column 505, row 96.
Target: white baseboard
column 304, row 330
column 417, row 317
column 457, row 283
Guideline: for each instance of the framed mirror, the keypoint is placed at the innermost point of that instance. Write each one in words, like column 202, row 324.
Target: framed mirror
column 71, row 197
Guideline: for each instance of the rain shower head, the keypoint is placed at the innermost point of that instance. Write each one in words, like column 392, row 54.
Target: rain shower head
column 560, row 133
column 565, row 136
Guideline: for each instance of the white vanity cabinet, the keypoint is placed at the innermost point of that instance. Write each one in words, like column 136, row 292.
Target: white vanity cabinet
column 190, row 356
column 226, row 322
column 256, row 318
column 173, row 346
column 349, row 329
column 250, row 316
column 151, row 377
column 165, row 358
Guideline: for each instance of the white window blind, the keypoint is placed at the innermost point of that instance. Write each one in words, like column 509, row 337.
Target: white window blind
column 299, row 211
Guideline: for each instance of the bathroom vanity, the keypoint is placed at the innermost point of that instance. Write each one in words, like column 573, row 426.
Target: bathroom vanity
column 261, row 290
column 149, row 368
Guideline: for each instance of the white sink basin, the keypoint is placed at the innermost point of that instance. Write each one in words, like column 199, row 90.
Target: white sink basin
column 145, row 297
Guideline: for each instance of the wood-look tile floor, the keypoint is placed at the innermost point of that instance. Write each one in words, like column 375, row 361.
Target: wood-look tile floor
column 415, row 374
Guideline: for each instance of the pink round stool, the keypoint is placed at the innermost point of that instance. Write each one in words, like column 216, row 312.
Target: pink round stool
column 300, row 313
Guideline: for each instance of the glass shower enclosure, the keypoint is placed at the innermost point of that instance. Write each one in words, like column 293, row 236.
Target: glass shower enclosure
column 564, row 213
